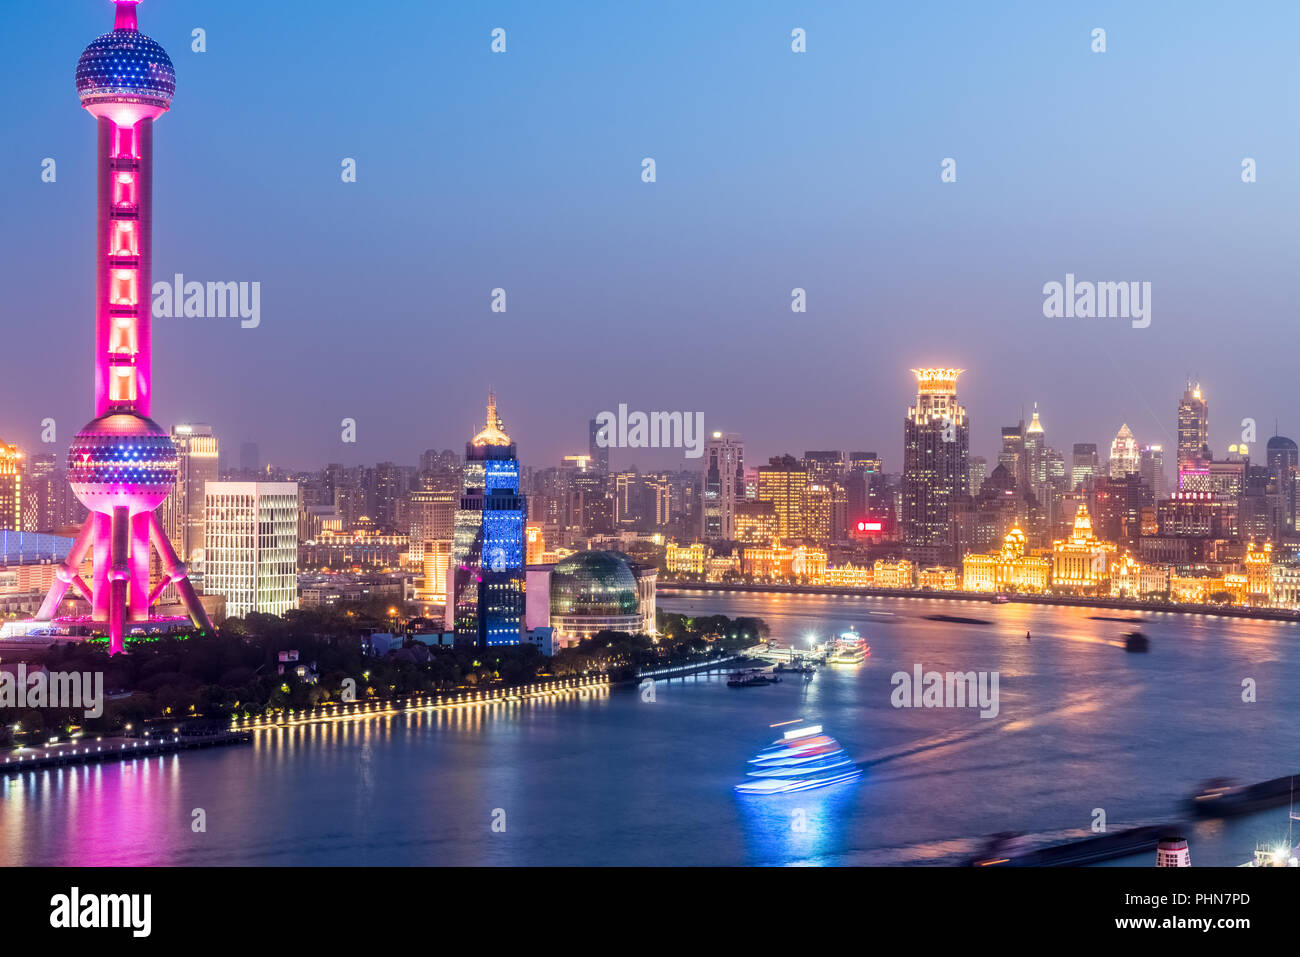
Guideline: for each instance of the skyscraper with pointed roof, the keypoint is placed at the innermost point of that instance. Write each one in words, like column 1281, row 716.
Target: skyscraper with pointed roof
column 1125, row 457
column 486, row 603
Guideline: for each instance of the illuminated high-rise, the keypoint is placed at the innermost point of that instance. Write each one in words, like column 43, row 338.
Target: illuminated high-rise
column 936, row 468
column 122, row 466
column 251, row 546
column 784, row 482
column 1193, row 429
column 1152, row 466
column 196, row 458
column 11, row 488
column 1125, row 458
column 486, row 604
column 1084, row 464
column 724, row 486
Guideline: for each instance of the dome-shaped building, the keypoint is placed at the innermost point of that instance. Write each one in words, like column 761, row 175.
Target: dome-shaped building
column 600, row 590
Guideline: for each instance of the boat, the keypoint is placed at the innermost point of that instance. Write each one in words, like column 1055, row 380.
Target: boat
column 1136, row 641
column 798, row 668
column 800, row 760
column 848, row 649
column 1281, row 855
column 1000, row 599
column 1224, row 797
column 750, row 679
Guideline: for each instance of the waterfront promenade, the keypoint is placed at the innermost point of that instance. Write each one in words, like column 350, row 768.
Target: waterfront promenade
column 1078, row 601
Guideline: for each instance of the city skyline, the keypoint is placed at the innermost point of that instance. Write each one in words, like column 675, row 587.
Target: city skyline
column 978, row 250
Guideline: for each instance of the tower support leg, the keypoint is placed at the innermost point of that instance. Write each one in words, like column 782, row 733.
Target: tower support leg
column 68, row 571
column 177, row 572
column 138, row 594
column 119, row 578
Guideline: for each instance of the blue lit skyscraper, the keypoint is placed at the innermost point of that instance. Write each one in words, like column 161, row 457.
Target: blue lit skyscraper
column 486, row 604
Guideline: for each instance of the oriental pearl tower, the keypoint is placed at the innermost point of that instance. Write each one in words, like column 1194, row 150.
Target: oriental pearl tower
column 122, row 465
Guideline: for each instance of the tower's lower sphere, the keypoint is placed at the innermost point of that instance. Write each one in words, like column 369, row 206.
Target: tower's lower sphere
column 122, row 459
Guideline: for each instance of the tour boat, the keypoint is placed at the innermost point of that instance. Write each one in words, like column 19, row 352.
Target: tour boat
column 848, row 649
column 800, row 760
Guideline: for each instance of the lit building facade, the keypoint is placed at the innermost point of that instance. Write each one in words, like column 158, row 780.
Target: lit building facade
column 1010, row 569
column 1193, row 430
column 936, row 449
column 11, row 488
column 850, row 576
column 685, row 561
column 723, row 486
column 1081, row 563
column 250, row 546
column 937, row 578
column 487, row 604
column 782, row 482
column 196, row 458
column 1125, row 457
column 894, row 573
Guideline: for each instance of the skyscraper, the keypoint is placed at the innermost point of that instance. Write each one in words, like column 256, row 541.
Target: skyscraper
column 486, row 604
column 1193, row 429
column 11, row 488
column 724, row 486
column 1012, row 455
column 783, row 482
column 1084, row 464
column 122, row 465
column 251, row 546
column 936, row 448
column 1036, row 455
column 598, row 445
column 1284, row 474
column 196, row 456
column 1125, row 459
column 1152, row 469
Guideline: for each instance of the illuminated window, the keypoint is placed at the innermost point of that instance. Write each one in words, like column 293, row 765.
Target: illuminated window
column 122, row 291
column 123, row 339
column 124, row 239
column 124, row 189
column 122, row 385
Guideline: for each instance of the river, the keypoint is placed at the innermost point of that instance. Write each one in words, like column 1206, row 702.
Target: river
column 611, row 778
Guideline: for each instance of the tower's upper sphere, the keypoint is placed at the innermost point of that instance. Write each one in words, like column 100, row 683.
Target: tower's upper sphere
column 122, row 459
column 126, row 67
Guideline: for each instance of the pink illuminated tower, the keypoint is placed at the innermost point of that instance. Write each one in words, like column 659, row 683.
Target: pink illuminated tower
column 122, row 465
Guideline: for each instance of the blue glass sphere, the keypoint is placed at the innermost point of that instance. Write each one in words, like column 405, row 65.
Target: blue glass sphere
column 126, row 66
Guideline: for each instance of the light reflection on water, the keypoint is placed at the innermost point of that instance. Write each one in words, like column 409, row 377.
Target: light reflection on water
column 610, row 779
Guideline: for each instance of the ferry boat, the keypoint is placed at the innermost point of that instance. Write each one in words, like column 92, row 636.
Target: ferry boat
column 1283, row 855
column 800, row 760
column 848, row 649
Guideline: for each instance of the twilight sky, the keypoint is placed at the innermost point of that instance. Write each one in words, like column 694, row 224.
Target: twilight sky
column 819, row 170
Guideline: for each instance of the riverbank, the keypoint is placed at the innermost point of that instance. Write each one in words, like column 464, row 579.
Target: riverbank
column 89, row 750
column 1113, row 604
column 359, row 710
